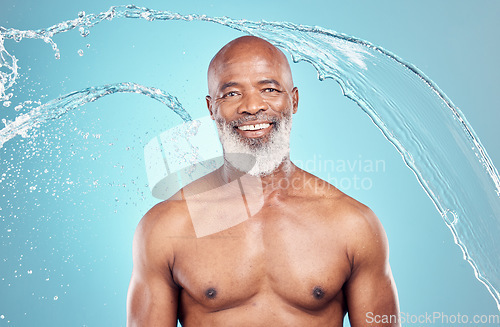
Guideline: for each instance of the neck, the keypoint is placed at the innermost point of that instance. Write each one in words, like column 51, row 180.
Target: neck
column 279, row 179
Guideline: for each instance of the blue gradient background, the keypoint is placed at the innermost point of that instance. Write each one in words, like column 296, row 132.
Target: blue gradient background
column 79, row 235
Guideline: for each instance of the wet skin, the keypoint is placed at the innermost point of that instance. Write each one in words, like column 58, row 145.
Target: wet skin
column 304, row 253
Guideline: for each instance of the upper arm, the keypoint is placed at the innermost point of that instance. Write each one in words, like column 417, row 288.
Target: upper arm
column 370, row 291
column 152, row 295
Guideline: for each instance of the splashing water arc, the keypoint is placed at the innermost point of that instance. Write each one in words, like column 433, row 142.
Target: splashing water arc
column 430, row 133
column 58, row 107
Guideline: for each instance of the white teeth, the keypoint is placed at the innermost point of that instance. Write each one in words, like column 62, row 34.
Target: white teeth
column 253, row 127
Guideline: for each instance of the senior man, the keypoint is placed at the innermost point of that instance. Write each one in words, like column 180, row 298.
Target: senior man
column 259, row 241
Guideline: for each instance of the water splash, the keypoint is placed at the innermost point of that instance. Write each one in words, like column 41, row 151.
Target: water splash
column 432, row 135
column 60, row 106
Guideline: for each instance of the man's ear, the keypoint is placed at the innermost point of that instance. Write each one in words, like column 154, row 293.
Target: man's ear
column 209, row 106
column 295, row 99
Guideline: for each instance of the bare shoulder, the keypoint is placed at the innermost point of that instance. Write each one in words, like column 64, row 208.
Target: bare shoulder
column 365, row 234
column 170, row 219
column 367, row 241
column 161, row 227
column 355, row 214
column 168, row 212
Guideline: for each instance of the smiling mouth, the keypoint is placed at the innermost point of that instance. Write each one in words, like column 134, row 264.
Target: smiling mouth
column 254, row 127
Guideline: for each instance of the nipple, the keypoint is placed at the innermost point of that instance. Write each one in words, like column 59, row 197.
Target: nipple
column 211, row 293
column 318, row 293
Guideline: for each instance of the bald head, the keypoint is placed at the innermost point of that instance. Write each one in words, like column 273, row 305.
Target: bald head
column 247, row 52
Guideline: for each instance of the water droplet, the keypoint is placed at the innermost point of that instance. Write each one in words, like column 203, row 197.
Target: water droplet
column 81, row 14
column 2, row 317
column 6, row 103
column 80, row 52
column 57, row 55
column 83, row 31
column 30, row 272
column 55, row 298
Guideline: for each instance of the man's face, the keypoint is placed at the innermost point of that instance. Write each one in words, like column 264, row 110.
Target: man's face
column 252, row 99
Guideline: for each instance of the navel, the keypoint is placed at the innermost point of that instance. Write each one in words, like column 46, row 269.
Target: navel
column 318, row 293
column 211, row 293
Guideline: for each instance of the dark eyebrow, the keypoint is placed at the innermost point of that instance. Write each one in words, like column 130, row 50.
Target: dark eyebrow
column 269, row 81
column 227, row 85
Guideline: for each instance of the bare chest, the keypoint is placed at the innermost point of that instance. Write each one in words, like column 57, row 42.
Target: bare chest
column 285, row 256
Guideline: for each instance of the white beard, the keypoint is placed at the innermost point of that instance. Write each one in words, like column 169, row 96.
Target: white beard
column 257, row 156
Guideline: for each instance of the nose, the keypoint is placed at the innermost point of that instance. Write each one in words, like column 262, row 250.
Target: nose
column 252, row 103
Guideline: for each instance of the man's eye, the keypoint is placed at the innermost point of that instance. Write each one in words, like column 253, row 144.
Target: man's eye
column 270, row 89
column 230, row 94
